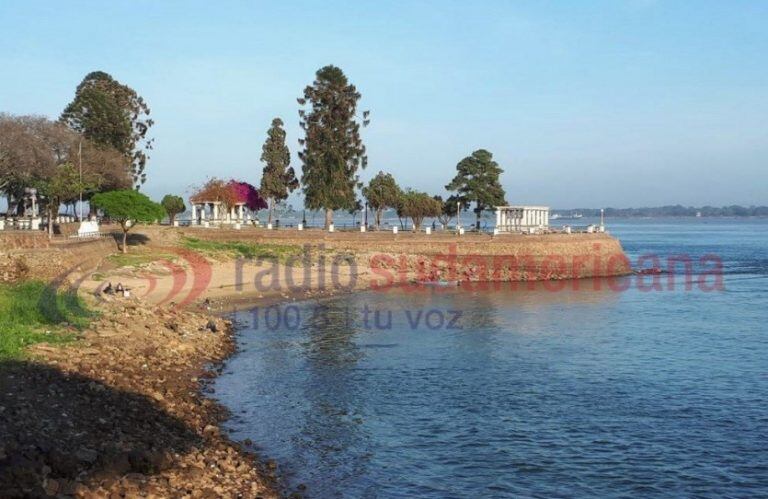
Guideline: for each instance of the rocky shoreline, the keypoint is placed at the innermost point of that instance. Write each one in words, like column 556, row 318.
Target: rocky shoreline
column 120, row 413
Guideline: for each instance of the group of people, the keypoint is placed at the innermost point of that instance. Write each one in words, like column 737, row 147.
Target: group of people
column 119, row 289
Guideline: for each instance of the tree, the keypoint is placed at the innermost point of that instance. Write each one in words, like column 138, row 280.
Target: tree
column 382, row 192
column 449, row 210
column 128, row 207
column 111, row 114
column 248, row 195
column 32, row 147
column 216, row 190
column 278, row 178
column 173, row 205
column 25, row 156
column 477, row 180
column 65, row 186
column 417, row 206
column 333, row 150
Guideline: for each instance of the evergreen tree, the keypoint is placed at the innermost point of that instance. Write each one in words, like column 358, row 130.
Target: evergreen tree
column 382, row 192
column 333, row 150
column 278, row 178
column 173, row 205
column 111, row 114
column 477, row 180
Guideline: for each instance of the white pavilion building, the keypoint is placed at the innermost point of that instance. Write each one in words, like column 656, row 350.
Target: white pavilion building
column 522, row 218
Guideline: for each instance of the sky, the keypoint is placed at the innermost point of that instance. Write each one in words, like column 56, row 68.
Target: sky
column 584, row 104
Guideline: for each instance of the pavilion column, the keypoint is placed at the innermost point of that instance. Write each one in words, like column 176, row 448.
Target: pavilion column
column 240, row 212
column 194, row 214
column 498, row 218
column 215, row 212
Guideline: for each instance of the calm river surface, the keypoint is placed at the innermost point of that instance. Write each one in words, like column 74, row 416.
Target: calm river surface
column 506, row 392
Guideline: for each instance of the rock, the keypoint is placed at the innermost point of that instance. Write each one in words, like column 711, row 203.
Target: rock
column 212, row 327
column 86, row 455
column 210, row 431
column 51, row 486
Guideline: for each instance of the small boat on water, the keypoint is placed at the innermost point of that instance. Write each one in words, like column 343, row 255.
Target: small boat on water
column 572, row 216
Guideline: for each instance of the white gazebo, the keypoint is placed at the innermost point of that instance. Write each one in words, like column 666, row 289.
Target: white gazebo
column 218, row 213
column 522, row 218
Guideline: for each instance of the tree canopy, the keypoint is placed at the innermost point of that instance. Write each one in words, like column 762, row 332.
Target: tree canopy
column 112, row 114
column 65, row 186
column 173, row 205
column 127, row 207
column 332, row 148
column 382, row 192
column 278, row 178
column 417, row 206
column 450, row 207
column 477, row 181
column 33, row 147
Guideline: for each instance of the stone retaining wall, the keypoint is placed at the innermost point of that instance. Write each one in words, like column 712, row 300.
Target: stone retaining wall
column 29, row 256
column 447, row 257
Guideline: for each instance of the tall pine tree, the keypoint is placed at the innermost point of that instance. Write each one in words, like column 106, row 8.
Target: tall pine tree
column 333, row 150
column 111, row 114
column 278, row 178
column 477, row 181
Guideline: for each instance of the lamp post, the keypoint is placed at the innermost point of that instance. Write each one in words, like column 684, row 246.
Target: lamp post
column 80, row 161
column 458, row 215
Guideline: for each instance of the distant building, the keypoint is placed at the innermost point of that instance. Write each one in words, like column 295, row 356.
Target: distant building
column 522, row 218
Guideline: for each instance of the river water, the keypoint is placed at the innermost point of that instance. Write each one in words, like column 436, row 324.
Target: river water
column 512, row 391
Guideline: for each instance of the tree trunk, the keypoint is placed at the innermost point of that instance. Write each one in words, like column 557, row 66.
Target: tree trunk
column 271, row 208
column 50, row 221
column 477, row 224
column 125, row 237
column 378, row 218
column 328, row 217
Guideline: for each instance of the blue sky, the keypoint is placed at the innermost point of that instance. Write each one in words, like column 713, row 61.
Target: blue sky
column 584, row 104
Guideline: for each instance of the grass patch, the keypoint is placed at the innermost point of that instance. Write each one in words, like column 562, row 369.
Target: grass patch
column 281, row 252
column 33, row 312
column 136, row 259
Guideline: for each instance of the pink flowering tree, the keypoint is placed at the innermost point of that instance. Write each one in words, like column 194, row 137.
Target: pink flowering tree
column 244, row 192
